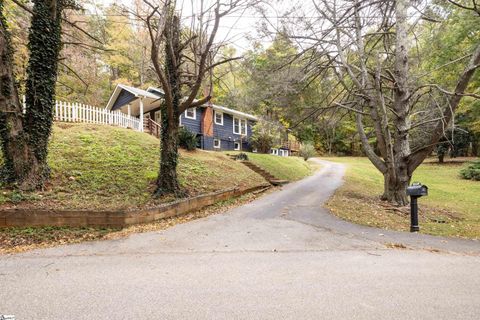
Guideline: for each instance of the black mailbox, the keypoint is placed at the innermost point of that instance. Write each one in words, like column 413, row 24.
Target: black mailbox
column 417, row 190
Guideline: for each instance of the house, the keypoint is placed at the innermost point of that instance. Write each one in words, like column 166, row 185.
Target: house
column 216, row 127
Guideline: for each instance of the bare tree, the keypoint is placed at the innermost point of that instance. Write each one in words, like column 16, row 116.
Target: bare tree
column 183, row 57
column 367, row 46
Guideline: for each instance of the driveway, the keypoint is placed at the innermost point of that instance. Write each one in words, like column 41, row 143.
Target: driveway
column 282, row 256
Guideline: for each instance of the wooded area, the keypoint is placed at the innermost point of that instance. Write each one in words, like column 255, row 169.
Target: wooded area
column 392, row 80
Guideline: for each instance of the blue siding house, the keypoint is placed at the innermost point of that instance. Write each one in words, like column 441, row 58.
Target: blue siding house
column 216, row 127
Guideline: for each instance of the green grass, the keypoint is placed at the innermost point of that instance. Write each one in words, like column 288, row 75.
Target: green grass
column 452, row 201
column 285, row 168
column 103, row 167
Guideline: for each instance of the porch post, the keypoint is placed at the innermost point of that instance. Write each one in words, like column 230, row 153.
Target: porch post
column 129, row 110
column 141, row 114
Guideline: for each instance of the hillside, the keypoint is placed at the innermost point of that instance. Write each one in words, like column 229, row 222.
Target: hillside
column 106, row 167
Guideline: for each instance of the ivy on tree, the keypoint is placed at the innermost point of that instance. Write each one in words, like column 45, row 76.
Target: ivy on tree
column 25, row 136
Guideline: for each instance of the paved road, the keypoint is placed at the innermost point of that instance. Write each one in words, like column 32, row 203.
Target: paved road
column 280, row 257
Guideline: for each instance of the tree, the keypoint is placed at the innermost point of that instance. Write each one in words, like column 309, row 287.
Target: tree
column 307, row 151
column 456, row 140
column 367, row 47
column 25, row 136
column 266, row 134
column 182, row 59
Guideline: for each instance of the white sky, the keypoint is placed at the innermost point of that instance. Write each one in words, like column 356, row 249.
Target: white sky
column 240, row 28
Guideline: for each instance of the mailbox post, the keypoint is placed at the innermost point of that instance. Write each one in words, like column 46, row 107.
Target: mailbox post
column 415, row 191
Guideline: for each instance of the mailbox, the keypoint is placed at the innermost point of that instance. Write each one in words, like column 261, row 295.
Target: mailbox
column 417, row 190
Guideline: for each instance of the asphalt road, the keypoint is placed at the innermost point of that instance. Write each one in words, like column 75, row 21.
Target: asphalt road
column 280, row 257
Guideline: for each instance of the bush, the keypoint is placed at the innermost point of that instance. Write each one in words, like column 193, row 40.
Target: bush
column 472, row 172
column 187, row 139
column 307, row 151
column 241, row 156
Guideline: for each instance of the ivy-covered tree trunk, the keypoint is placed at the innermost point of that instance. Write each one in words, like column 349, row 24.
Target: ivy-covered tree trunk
column 16, row 152
column 167, row 182
column 25, row 137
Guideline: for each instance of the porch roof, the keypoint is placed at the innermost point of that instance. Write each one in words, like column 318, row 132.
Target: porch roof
column 124, row 95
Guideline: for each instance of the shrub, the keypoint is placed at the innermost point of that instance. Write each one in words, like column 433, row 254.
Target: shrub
column 241, row 156
column 307, row 151
column 187, row 139
column 472, row 171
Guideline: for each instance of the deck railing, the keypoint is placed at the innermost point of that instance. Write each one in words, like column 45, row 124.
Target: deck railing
column 78, row 112
column 291, row 145
column 151, row 127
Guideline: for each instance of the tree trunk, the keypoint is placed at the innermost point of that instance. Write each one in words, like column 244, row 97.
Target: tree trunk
column 397, row 175
column 22, row 165
column 44, row 43
column 441, row 157
column 167, row 182
column 396, row 181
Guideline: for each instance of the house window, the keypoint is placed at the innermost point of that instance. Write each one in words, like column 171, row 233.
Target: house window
column 243, row 126
column 216, row 143
column 236, row 146
column 158, row 117
column 191, row 113
column 219, row 118
column 239, row 126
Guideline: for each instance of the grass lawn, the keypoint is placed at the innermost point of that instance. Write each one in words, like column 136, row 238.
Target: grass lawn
column 285, row 168
column 103, row 167
column 451, row 209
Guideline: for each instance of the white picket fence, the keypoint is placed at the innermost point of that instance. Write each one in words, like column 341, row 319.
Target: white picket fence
column 77, row 112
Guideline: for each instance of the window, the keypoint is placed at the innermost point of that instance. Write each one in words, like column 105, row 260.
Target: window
column 158, row 117
column 216, row 143
column 236, row 125
column 239, row 126
column 219, row 118
column 236, row 146
column 243, row 126
column 191, row 113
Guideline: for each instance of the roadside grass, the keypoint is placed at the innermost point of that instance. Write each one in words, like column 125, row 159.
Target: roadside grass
column 452, row 207
column 104, row 167
column 285, row 168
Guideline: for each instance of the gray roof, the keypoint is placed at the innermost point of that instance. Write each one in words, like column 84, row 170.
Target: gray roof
column 155, row 93
column 235, row 112
column 138, row 92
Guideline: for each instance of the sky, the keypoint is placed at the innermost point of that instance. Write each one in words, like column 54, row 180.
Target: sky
column 239, row 29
